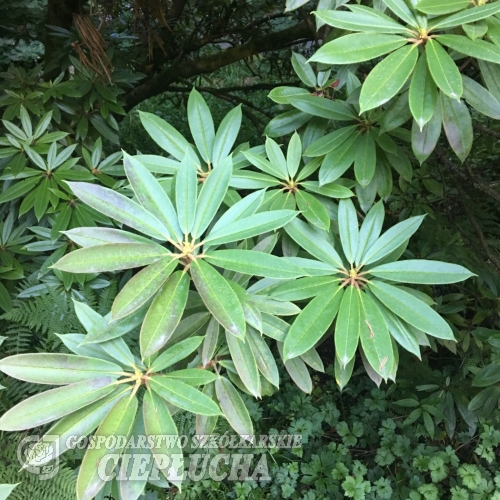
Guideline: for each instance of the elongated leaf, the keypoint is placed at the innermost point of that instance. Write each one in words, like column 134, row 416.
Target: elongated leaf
column 313, row 210
column 423, row 142
column 57, row 369
column 211, row 342
column 402, row 10
column 339, row 160
column 411, row 310
column 120, row 208
column 443, row 69
column 423, row 93
column 183, row 395
column 233, row 408
column 250, row 226
column 365, row 158
column 201, row 124
column 166, row 136
column 91, row 236
column 186, row 193
column 276, row 157
column 254, row 263
column 438, row 7
column 457, row 124
column 375, row 338
column 387, row 78
column 428, row 272
column 361, row 19
column 159, row 422
column 331, row 141
column 357, row 48
column 303, row 69
column 172, row 355
column 392, row 239
column 480, row 98
column 219, row 297
column 312, row 322
column 192, row 376
column 347, row 328
column 370, row 230
column 298, row 372
column 211, row 196
column 324, row 108
column 151, row 195
column 348, row 229
column 474, row 48
column 118, row 422
column 263, row 356
column 110, row 257
column 294, row 155
column 226, row 135
column 55, row 403
column 141, row 287
column 303, row 288
column 164, row 314
column 311, row 241
column 466, row 16
column 245, row 364
column 331, row 190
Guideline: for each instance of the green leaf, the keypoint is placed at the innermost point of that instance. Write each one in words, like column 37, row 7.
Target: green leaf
column 254, row 263
column 276, row 158
column 192, row 376
column 343, row 373
column 141, row 287
column 201, row 124
column 475, row 30
column 348, row 326
column 457, row 124
column 298, row 372
column 466, row 16
column 339, row 160
column 402, row 10
column 244, row 361
column 313, row 210
column 474, row 48
column 186, row 193
column 211, row 342
column 286, row 123
column 263, row 356
column 443, row 69
column 425, row 272
column 159, row 422
column 312, row 322
column 358, row 47
column 392, row 239
column 219, row 297
column 303, row 288
column 312, row 359
column 294, row 155
column 151, row 195
column 110, row 257
column 489, row 375
column 387, row 78
column 55, row 403
column 361, row 19
column 411, row 310
column 439, row 7
column 183, row 395
column 423, row 93
column 365, row 158
column 331, row 141
column 91, row 236
column 164, row 314
column 303, row 69
column 375, row 339
column 118, row 422
column 226, row 135
column 480, row 99
column 19, row 189
column 348, row 229
column 250, row 226
column 331, row 189
column 370, row 230
column 211, row 196
column 233, row 407
column 175, row 353
column 6, row 490
column 119, row 207
column 313, row 242
column 322, row 107
column 423, row 142
column 57, row 369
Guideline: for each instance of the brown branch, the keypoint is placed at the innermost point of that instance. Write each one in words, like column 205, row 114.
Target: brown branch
column 208, row 64
column 486, row 130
